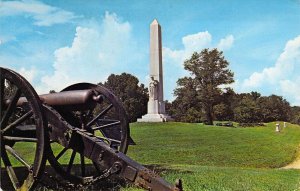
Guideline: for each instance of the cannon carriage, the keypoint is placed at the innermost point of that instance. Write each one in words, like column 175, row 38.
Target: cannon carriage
column 84, row 124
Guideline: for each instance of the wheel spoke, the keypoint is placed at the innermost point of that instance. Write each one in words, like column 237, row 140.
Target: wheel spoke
column 9, row 168
column 107, row 120
column 82, row 165
column 23, row 139
column 61, row 153
column 2, row 86
column 107, row 125
column 100, row 114
column 17, row 156
column 19, row 121
column 13, row 177
column 71, row 161
column 109, row 139
column 10, row 108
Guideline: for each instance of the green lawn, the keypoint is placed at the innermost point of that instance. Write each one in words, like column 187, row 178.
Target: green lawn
column 204, row 178
column 197, row 144
column 219, row 158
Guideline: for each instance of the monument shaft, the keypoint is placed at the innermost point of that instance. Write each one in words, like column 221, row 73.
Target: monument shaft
column 156, row 69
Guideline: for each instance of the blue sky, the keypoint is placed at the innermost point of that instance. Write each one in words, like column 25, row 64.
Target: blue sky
column 58, row 43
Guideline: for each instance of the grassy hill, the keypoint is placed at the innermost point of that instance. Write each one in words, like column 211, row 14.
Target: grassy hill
column 211, row 158
column 219, row 158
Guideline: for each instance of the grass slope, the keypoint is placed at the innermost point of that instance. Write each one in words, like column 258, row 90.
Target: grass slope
column 203, row 178
column 216, row 158
column 219, row 158
column 197, row 144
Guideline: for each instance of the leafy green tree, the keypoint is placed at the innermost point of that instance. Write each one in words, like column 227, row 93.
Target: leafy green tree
column 133, row 96
column 224, row 109
column 186, row 107
column 252, row 107
column 295, row 115
column 209, row 70
column 247, row 110
column 274, row 108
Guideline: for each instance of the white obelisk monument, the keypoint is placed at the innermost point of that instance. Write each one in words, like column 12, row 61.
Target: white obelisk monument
column 156, row 105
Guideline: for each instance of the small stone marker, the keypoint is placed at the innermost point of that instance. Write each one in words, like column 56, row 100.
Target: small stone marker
column 284, row 124
column 277, row 127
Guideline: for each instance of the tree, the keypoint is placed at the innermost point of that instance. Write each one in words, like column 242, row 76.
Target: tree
column 247, row 110
column 274, row 108
column 186, row 107
column 133, row 96
column 209, row 70
column 295, row 115
column 224, row 109
column 252, row 108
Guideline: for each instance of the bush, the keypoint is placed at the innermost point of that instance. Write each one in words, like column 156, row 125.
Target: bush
column 251, row 124
column 225, row 124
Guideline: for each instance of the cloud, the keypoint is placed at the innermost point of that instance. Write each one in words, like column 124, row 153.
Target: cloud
column 96, row 52
column 226, row 43
column 28, row 74
column 284, row 67
column 291, row 89
column 283, row 76
column 195, row 43
column 6, row 38
column 44, row 15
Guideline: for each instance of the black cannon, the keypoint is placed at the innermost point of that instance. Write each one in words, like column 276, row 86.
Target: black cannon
column 84, row 124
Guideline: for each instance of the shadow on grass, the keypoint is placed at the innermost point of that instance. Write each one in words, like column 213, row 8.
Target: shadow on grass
column 53, row 181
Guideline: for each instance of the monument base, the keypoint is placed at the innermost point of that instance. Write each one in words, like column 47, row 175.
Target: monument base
column 155, row 118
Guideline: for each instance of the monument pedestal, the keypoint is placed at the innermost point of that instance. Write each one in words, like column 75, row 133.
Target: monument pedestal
column 156, row 107
column 156, row 112
column 155, row 118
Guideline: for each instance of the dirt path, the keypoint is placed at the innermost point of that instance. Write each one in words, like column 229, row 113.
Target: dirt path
column 295, row 164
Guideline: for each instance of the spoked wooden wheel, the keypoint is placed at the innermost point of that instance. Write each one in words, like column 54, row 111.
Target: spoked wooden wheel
column 23, row 137
column 105, row 119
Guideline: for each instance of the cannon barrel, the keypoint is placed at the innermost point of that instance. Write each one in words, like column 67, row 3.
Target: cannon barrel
column 68, row 100
column 74, row 97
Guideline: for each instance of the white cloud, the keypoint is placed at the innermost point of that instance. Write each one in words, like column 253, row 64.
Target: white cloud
column 283, row 68
column 96, row 52
column 291, row 89
column 191, row 43
column 44, row 15
column 195, row 43
column 283, row 76
column 6, row 38
column 28, row 74
column 226, row 43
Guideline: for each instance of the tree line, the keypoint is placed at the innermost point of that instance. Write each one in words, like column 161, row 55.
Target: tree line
column 201, row 98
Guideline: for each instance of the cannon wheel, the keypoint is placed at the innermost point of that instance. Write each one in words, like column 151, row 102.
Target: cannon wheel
column 21, row 168
column 112, row 113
